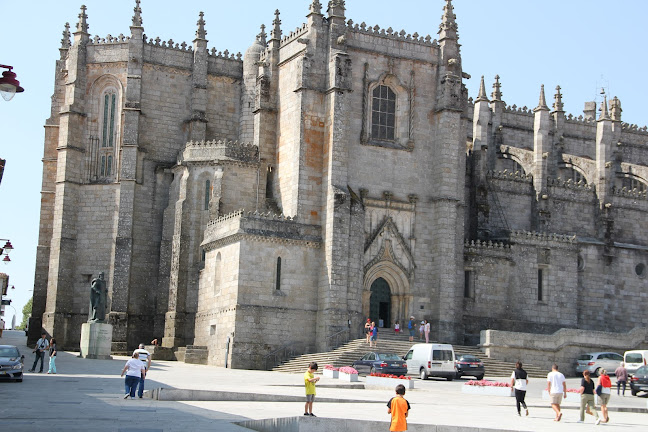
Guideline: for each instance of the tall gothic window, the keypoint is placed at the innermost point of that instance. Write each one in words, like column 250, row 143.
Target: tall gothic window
column 278, row 275
column 108, row 133
column 383, row 113
column 207, row 194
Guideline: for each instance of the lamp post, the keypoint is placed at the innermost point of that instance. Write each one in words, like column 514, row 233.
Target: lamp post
column 5, row 250
column 9, row 85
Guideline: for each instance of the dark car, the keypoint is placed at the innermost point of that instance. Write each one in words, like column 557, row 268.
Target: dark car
column 11, row 363
column 639, row 381
column 469, row 365
column 386, row 363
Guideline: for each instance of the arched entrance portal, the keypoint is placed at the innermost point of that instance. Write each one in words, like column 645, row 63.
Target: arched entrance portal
column 380, row 302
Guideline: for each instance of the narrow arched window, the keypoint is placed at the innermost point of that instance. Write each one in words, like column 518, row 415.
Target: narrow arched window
column 207, row 194
column 278, row 281
column 383, row 113
column 108, row 129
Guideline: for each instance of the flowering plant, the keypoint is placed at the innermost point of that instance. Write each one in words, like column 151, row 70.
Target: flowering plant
column 331, row 367
column 348, row 370
column 486, row 383
column 382, row 375
column 573, row 390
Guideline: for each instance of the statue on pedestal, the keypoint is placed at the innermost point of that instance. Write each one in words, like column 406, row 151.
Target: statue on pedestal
column 98, row 294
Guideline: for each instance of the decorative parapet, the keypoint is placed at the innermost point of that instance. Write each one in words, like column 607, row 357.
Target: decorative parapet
column 518, row 110
column 207, row 151
column 629, row 193
column 168, row 44
column 569, row 184
column 108, row 40
column 391, row 34
column 225, row 55
column 580, row 119
column 517, row 176
column 260, row 227
column 627, row 127
column 473, row 249
column 299, row 31
column 529, row 237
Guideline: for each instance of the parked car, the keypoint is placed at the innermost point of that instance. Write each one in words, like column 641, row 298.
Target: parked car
column 427, row 360
column 375, row 362
column 635, row 359
column 596, row 361
column 11, row 363
column 639, row 381
column 469, row 365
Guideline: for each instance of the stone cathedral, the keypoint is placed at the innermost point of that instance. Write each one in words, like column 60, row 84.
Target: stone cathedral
column 247, row 203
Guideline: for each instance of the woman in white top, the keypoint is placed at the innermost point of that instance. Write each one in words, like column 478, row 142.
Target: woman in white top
column 519, row 381
column 134, row 369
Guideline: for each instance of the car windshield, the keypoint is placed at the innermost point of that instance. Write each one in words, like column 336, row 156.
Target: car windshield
column 584, row 357
column 388, row 357
column 470, row 358
column 634, row 358
column 643, row 370
column 8, row 352
column 617, row 357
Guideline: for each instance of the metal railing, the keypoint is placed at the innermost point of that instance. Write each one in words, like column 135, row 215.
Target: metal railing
column 336, row 339
column 278, row 355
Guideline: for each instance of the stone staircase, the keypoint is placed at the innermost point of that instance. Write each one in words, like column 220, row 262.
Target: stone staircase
column 196, row 354
column 353, row 350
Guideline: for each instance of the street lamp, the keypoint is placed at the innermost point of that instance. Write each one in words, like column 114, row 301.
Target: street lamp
column 5, row 250
column 9, row 85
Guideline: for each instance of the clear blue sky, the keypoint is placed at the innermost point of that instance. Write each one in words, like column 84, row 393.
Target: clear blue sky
column 580, row 45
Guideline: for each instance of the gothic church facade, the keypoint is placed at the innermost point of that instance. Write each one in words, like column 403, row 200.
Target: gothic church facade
column 247, row 203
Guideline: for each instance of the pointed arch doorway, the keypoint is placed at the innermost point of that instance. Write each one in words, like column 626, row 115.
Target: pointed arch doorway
column 380, row 302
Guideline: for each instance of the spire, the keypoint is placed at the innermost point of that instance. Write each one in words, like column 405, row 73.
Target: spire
column 482, row 92
column 82, row 26
column 448, row 27
column 315, row 8
column 542, row 102
column 558, row 103
column 261, row 37
column 201, row 33
column 604, row 109
column 137, row 17
column 497, row 90
column 65, row 42
column 615, row 109
column 336, row 8
column 275, row 34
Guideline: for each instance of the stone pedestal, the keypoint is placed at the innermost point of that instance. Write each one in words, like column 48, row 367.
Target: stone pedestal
column 96, row 340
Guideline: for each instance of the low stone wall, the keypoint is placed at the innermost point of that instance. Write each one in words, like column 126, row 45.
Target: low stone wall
column 562, row 347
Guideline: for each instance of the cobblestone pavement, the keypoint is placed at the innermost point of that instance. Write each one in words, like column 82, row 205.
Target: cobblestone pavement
column 88, row 394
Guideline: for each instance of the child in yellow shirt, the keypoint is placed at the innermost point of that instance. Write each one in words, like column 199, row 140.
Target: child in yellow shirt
column 309, row 382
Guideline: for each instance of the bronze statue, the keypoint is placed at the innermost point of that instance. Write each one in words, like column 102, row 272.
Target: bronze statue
column 98, row 293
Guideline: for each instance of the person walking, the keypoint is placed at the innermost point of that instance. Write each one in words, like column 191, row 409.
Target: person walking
column 374, row 335
column 42, row 345
column 309, row 382
column 621, row 374
column 606, row 392
column 145, row 357
column 421, row 330
column 399, row 408
column 411, row 326
column 52, row 357
column 519, row 381
column 134, row 370
column 367, row 330
column 2, row 326
column 557, row 389
column 587, row 398
column 427, row 331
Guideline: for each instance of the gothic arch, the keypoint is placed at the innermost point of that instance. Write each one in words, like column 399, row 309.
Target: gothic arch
column 399, row 286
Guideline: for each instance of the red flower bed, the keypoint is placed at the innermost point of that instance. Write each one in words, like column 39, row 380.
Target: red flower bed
column 486, row 383
column 382, row 375
column 331, row 367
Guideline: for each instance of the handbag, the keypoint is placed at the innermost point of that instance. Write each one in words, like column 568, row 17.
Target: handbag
column 599, row 389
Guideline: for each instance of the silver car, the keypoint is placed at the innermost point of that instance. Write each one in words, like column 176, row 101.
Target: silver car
column 11, row 363
column 596, row 361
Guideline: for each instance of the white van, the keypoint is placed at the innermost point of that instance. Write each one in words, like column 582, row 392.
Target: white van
column 635, row 359
column 427, row 360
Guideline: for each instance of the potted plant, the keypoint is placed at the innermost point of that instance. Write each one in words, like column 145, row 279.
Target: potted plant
column 389, row 380
column 347, row 373
column 485, row 387
column 330, row 371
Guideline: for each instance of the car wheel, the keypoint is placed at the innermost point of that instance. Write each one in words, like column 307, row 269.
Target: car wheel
column 480, row 377
column 597, row 371
column 423, row 375
column 634, row 392
column 449, row 378
column 19, row 380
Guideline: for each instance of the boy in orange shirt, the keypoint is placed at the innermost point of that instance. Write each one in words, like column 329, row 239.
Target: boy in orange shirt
column 398, row 407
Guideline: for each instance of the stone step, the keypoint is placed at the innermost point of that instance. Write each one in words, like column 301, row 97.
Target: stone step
column 180, row 354
column 195, row 354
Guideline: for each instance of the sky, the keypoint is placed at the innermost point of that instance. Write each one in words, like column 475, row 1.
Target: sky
column 581, row 45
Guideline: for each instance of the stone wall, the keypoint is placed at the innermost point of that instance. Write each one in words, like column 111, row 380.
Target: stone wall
column 562, row 347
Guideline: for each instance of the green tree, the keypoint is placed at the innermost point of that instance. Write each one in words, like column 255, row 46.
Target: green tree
column 26, row 312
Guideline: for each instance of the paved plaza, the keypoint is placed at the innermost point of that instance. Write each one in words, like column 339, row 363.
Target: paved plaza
column 87, row 395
